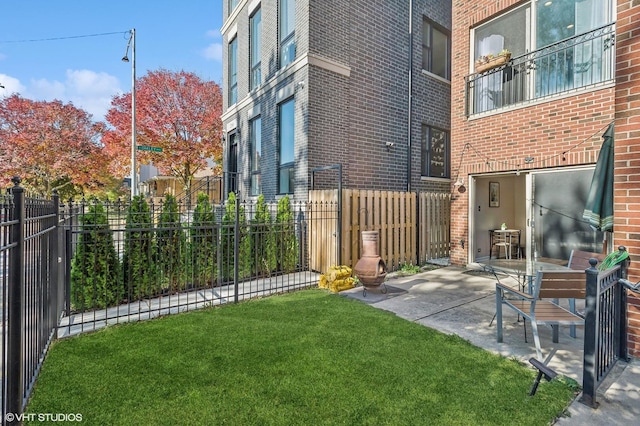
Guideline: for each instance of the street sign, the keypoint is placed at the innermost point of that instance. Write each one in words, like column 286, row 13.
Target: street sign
column 149, row 148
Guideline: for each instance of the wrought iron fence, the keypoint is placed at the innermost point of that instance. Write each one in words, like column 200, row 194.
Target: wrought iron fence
column 6, row 245
column 31, row 295
column 123, row 262
column 80, row 266
column 580, row 61
column 138, row 261
column 605, row 329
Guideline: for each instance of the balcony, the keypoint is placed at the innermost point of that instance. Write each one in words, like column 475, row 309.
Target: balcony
column 578, row 62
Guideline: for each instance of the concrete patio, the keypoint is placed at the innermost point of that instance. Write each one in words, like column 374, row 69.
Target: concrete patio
column 461, row 301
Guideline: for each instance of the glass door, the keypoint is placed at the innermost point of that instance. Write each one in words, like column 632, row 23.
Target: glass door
column 555, row 224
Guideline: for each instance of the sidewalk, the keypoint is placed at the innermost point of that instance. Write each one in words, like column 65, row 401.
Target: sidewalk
column 459, row 301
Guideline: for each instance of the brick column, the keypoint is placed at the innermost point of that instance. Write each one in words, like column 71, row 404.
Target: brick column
column 627, row 151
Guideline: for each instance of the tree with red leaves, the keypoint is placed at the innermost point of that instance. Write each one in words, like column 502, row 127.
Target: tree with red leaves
column 51, row 145
column 175, row 111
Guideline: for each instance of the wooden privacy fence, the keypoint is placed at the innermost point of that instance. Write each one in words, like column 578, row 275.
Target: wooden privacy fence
column 413, row 228
column 324, row 238
column 434, row 218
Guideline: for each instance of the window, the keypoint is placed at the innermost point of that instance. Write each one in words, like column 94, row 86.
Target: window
column 233, row 71
column 286, row 125
column 232, row 163
column 436, row 56
column 555, row 46
column 435, row 152
column 255, row 155
column 582, row 63
column 287, row 32
column 255, row 48
column 508, row 31
column 232, row 5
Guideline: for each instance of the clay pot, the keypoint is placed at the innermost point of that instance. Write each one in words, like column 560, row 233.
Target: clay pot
column 370, row 269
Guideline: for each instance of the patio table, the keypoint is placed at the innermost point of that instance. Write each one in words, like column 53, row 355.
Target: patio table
column 523, row 270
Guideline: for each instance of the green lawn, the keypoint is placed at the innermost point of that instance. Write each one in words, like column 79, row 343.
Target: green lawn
column 305, row 358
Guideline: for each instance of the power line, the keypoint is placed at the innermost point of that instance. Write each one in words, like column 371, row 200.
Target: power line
column 62, row 38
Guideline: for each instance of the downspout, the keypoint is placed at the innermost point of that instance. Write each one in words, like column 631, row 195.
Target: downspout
column 410, row 94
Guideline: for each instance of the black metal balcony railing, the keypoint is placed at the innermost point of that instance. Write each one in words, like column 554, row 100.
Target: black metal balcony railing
column 580, row 61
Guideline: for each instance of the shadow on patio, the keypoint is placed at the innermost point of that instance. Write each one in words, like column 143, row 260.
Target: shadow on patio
column 460, row 301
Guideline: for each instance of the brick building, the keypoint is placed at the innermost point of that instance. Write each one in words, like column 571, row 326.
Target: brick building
column 526, row 135
column 316, row 83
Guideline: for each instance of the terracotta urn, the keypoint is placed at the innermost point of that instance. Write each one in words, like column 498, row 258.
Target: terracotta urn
column 370, row 269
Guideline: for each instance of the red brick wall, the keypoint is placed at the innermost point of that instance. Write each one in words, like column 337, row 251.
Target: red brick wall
column 546, row 131
column 562, row 132
column 627, row 151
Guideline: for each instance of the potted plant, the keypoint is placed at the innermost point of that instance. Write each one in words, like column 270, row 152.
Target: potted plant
column 506, row 53
column 490, row 61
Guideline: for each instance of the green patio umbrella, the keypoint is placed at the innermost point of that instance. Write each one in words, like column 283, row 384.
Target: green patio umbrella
column 598, row 210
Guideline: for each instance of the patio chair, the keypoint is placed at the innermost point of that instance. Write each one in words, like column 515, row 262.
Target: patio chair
column 579, row 260
column 542, row 306
column 502, row 240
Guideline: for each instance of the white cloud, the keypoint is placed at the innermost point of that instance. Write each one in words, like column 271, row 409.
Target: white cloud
column 213, row 51
column 43, row 89
column 89, row 90
column 91, row 82
column 11, row 85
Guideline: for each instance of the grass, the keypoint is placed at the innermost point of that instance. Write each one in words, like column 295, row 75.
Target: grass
column 304, row 358
column 409, row 269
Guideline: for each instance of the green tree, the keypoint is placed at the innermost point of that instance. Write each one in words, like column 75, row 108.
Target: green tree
column 95, row 265
column 243, row 263
column 203, row 243
column 286, row 242
column 138, row 265
column 171, row 246
column 263, row 240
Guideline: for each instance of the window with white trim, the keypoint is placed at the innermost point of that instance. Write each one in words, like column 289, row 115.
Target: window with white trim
column 567, row 46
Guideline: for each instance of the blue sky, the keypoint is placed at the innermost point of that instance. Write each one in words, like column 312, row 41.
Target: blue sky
column 88, row 71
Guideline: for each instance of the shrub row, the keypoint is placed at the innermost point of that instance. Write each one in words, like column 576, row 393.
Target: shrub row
column 170, row 255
